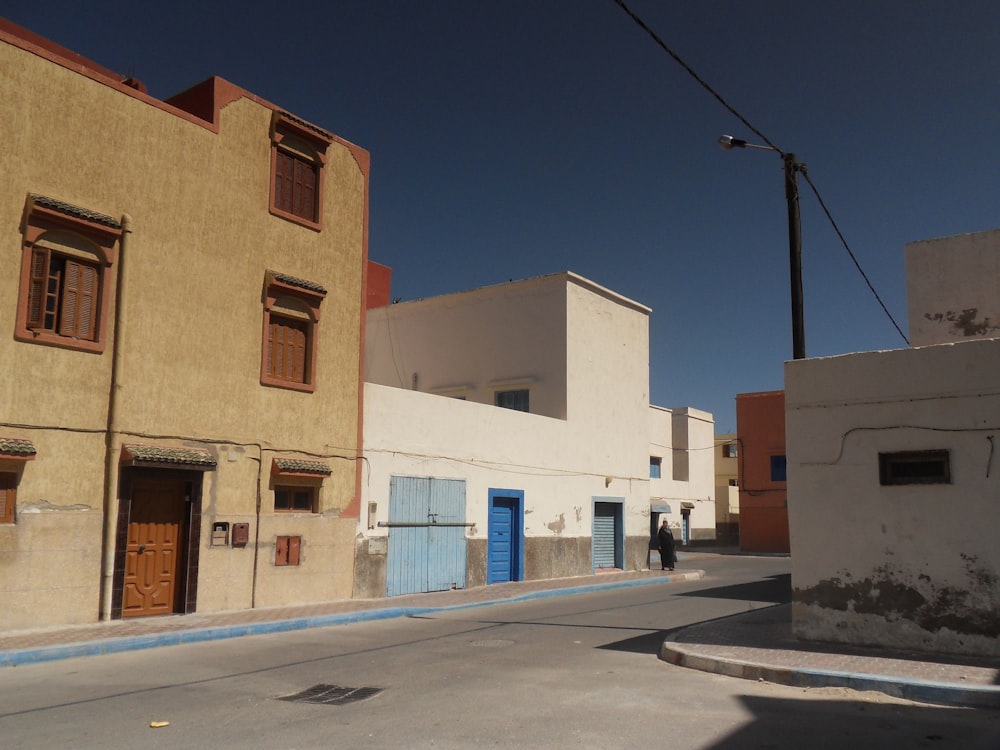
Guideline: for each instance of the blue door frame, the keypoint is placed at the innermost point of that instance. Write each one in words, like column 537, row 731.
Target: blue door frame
column 608, row 510
column 505, row 546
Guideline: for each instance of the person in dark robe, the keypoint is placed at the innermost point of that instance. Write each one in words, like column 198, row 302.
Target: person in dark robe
column 665, row 543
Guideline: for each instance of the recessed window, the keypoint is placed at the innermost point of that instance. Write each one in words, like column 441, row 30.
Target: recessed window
column 66, row 280
column 302, row 499
column 655, row 465
column 515, row 399
column 729, row 450
column 291, row 320
column 734, row 483
column 298, row 155
column 915, row 467
column 779, row 468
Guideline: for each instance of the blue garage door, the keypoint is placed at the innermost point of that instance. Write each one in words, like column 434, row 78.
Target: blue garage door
column 606, row 535
column 426, row 535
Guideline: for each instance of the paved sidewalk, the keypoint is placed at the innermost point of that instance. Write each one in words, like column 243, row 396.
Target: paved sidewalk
column 754, row 645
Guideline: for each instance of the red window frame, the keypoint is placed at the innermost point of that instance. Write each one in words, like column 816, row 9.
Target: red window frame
column 65, row 297
column 298, row 158
column 289, row 345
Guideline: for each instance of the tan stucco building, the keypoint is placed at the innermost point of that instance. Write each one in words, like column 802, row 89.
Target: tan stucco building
column 182, row 339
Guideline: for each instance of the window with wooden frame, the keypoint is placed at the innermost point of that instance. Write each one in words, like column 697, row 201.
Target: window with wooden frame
column 292, row 499
column 287, row 550
column 8, row 496
column 291, row 320
column 14, row 454
column 298, row 155
column 66, row 282
column 296, row 483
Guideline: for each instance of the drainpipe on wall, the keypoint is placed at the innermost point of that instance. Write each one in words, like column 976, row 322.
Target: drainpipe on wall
column 112, row 445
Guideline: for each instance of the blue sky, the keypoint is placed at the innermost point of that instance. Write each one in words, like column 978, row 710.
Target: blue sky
column 516, row 138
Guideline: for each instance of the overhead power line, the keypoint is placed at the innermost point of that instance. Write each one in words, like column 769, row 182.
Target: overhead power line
column 704, row 84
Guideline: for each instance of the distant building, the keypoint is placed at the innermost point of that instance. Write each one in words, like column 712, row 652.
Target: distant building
column 763, row 489
column 182, row 314
column 892, row 469
column 727, row 489
column 680, row 470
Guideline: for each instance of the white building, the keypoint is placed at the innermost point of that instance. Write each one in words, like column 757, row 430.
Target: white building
column 506, row 435
column 682, row 472
column 893, row 471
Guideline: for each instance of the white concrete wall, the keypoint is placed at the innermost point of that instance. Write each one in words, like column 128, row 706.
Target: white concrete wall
column 583, row 353
column 913, row 566
column 953, row 288
column 683, row 438
column 474, row 343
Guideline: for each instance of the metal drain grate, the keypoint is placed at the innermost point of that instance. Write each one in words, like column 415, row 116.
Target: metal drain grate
column 332, row 695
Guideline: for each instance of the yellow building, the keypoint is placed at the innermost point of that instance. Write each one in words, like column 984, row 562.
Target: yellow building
column 182, row 315
column 727, row 491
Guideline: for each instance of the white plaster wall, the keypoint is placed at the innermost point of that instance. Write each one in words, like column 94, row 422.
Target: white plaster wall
column 912, row 566
column 582, row 350
column 557, row 466
column 685, row 436
column 953, row 288
column 472, row 343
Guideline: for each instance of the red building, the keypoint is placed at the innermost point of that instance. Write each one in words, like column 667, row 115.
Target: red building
column 760, row 428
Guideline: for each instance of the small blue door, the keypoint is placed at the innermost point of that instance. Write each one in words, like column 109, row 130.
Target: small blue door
column 504, row 547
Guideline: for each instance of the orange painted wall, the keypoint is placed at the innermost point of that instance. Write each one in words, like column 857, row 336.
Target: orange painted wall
column 760, row 427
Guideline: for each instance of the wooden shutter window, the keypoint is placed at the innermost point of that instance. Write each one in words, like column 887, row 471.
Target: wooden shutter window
column 79, row 301
column 287, row 349
column 37, row 284
column 295, row 185
column 7, row 496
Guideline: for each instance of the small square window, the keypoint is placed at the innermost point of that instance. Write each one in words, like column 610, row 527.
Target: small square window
column 729, row 450
column 8, row 496
column 779, row 468
column 915, row 467
column 292, row 499
column 516, row 399
column 287, row 550
column 655, row 464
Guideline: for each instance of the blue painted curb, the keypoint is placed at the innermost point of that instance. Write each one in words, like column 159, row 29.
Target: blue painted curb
column 200, row 635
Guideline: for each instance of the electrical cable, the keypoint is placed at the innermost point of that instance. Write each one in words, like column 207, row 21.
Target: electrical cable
column 801, row 167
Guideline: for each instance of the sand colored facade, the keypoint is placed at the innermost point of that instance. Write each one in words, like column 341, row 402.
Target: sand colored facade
column 150, row 434
column 727, row 490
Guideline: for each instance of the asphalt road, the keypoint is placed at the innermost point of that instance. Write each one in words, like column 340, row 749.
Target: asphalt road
column 567, row 672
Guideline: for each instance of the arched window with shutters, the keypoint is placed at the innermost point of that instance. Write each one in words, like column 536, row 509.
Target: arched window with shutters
column 298, row 155
column 66, row 280
column 291, row 319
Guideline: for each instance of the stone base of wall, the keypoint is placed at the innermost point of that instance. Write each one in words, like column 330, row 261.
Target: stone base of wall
column 370, row 556
column 811, row 622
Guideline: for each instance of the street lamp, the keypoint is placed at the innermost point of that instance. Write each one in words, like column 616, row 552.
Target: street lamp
column 792, row 169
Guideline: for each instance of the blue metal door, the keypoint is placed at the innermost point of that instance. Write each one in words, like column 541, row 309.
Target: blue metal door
column 502, row 553
column 426, row 535
column 605, row 539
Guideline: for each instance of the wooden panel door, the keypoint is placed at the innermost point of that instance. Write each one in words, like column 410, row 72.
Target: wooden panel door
column 155, row 548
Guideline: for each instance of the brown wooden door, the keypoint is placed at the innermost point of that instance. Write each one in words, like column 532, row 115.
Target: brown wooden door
column 155, row 548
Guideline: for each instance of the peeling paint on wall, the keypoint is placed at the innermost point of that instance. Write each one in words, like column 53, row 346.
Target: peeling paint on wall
column 44, row 506
column 969, row 610
column 557, row 526
column 964, row 323
column 579, row 514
